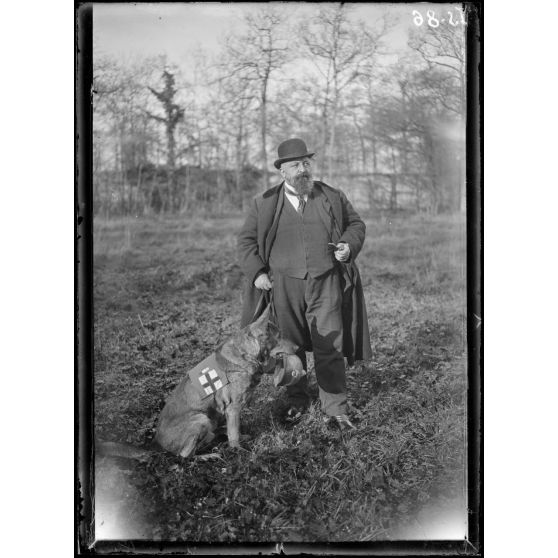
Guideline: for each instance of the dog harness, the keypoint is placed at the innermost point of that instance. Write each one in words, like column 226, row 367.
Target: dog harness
column 207, row 377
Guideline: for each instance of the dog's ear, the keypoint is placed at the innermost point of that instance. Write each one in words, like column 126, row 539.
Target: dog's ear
column 264, row 318
column 259, row 327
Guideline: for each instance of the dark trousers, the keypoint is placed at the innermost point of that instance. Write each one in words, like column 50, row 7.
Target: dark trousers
column 309, row 314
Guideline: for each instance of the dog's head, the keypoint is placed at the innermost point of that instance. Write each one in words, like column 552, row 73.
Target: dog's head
column 261, row 343
column 255, row 341
column 267, row 336
column 277, row 354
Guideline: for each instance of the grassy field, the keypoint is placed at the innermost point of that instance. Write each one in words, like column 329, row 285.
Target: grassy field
column 167, row 291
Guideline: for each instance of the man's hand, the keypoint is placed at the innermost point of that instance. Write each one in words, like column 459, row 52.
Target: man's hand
column 262, row 282
column 342, row 252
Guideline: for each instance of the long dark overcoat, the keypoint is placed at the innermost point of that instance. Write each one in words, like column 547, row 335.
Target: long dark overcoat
column 344, row 224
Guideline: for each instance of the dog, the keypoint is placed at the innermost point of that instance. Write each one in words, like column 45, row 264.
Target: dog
column 218, row 388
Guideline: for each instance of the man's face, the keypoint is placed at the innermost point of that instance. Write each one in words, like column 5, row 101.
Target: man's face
column 298, row 174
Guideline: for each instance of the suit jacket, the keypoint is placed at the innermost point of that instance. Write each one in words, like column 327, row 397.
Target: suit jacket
column 256, row 239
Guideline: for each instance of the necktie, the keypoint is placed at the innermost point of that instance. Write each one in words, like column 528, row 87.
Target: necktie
column 301, row 204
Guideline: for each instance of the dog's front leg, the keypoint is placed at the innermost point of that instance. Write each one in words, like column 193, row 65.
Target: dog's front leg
column 233, row 424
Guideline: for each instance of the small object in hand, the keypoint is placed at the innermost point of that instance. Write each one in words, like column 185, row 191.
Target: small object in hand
column 335, row 246
column 342, row 253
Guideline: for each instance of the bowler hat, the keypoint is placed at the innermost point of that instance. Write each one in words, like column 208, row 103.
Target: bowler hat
column 290, row 150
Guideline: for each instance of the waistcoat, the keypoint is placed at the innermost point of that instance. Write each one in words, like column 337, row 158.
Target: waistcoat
column 300, row 245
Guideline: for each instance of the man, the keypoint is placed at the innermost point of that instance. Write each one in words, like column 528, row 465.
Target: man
column 300, row 241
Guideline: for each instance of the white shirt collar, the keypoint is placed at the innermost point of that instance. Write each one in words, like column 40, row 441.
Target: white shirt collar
column 292, row 196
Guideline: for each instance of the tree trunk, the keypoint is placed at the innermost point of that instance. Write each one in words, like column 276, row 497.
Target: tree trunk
column 434, row 193
column 393, row 193
column 171, row 146
column 325, row 127
column 370, row 184
column 364, row 165
column 331, row 146
column 374, row 155
column 374, row 171
column 393, row 183
column 187, row 189
column 265, row 176
column 238, row 164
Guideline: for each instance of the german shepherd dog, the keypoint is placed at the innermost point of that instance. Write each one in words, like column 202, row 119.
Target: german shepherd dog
column 193, row 412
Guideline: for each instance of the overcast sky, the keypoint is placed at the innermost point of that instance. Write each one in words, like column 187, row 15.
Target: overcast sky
column 175, row 29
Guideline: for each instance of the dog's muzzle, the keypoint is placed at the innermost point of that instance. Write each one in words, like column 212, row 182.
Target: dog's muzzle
column 288, row 371
column 286, row 366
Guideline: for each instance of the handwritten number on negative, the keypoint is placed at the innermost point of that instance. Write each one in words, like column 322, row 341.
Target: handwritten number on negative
column 418, row 19
column 432, row 21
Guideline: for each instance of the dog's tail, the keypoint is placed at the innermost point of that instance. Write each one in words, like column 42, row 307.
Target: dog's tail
column 124, row 451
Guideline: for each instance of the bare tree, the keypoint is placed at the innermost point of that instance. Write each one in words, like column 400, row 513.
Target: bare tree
column 255, row 57
column 390, row 128
column 124, row 135
column 443, row 84
column 173, row 115
column 443, row 50
column 341, row 51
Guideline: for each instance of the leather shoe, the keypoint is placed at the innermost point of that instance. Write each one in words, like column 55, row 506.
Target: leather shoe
column 342, row 422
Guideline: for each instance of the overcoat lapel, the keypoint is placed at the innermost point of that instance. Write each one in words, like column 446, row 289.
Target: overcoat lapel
column 275, row 203
column 324, row 210
column 333, row 203
column 331, row 213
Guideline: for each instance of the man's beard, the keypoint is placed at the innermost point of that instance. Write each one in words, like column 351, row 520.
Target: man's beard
column 303, row 183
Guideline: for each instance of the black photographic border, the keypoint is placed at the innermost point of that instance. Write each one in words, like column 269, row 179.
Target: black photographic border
column 83, row 332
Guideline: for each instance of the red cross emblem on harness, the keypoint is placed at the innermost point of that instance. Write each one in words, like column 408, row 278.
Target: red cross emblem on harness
column 210, row 381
